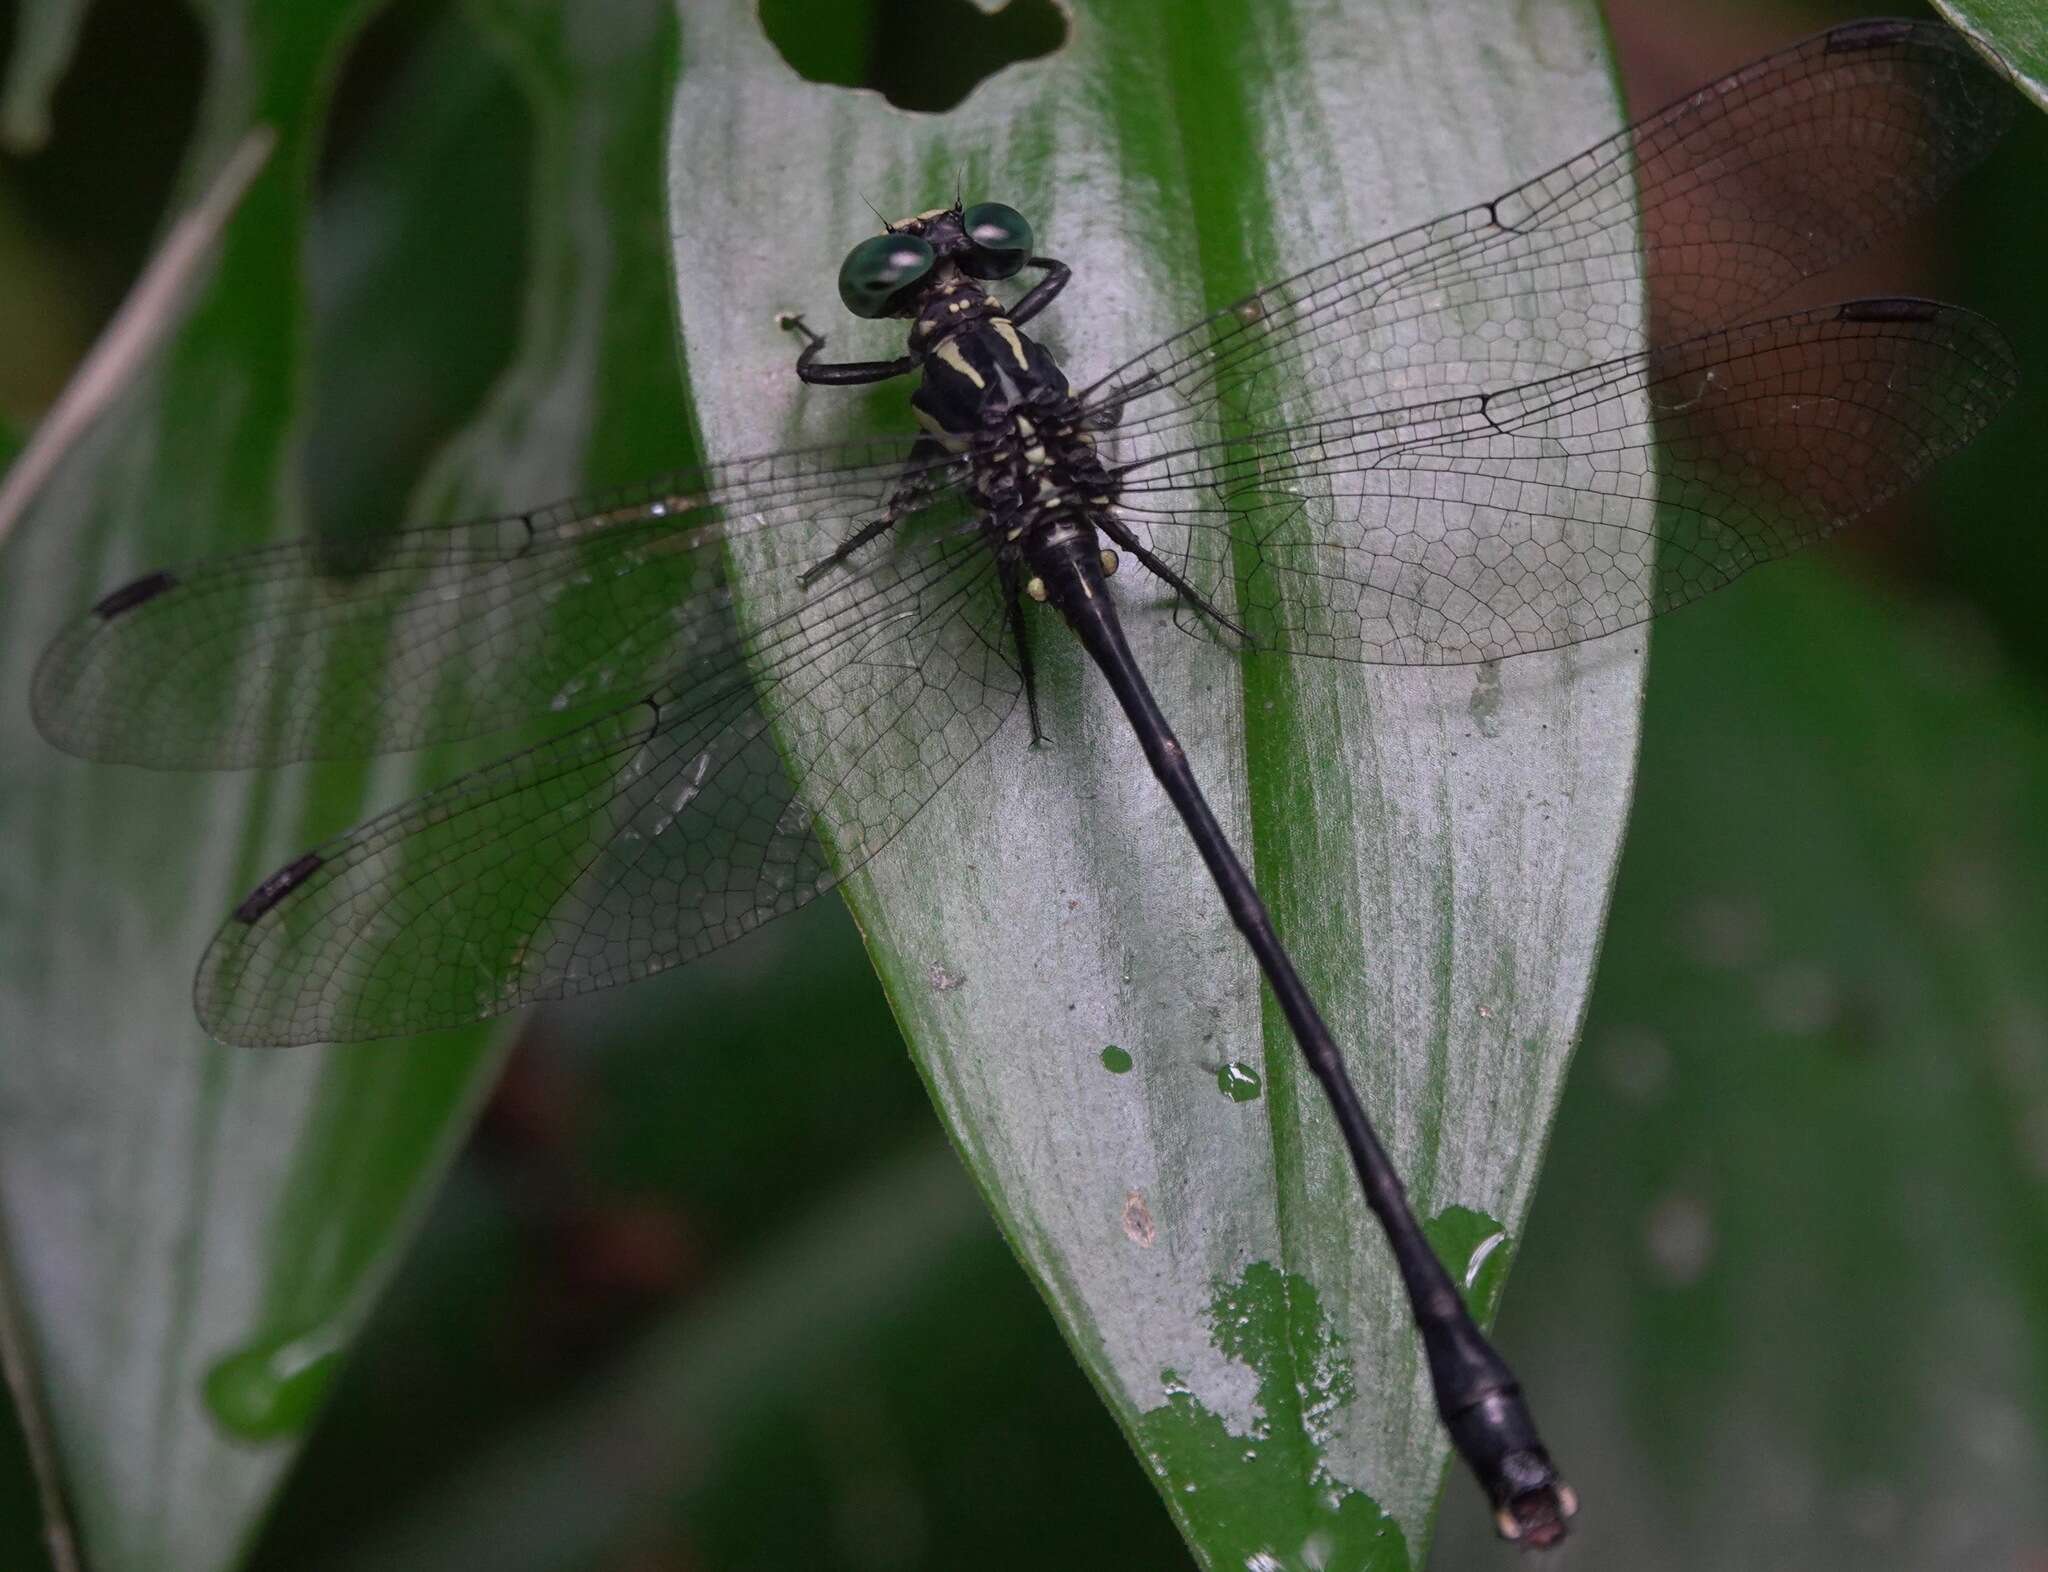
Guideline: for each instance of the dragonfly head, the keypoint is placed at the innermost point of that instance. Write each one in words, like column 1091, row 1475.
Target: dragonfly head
column 888, row 275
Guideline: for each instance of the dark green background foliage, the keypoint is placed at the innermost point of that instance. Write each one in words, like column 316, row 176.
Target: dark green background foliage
column 707, row 1288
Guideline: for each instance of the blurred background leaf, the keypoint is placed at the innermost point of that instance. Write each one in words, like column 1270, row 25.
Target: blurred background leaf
column 32, row 1515
column 1813, row 1080
column 1794, row 1249
column 46, row 37
column 196, row 1231
column 2013, row 32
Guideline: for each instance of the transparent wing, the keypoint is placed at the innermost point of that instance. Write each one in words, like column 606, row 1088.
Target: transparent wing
column 341, row 650
column 1570, row 507
column 1723, row 200
column 1437, row 447
column 738, row 790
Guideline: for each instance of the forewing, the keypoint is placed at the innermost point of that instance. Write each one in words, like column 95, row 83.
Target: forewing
column 734, row 793
column 1571, row 507
column 1721, row 202
column 319, row 649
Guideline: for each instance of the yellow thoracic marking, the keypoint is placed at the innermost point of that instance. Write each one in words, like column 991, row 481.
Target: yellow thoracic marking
column 1109, row 560
column 1008, row 334
column 1035, row 588
column 949, row 352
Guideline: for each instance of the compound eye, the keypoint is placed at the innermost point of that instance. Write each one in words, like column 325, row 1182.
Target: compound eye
column 1002, row 240
column 876, row 271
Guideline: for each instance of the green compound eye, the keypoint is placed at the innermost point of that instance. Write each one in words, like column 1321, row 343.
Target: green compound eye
column 1001, row 237
column 876, row 270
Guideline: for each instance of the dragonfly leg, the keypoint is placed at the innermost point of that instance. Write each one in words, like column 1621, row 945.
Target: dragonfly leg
column 847, row 547
column 1107, row 411
column 1041, row 294
column 1020, row 632
column 1118, row 531
column 845, row 373
column 911, row 493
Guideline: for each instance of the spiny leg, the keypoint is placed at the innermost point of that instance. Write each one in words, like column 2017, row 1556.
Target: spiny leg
column 911, row 494
column 1118, row 531
column 1020, row 633
column 847, row 547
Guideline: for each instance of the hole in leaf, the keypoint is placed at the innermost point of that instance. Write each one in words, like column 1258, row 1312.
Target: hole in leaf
column 925, row 55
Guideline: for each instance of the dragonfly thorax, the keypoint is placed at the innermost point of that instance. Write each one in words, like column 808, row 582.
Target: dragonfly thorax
column 981, row 367
column 1035, row 465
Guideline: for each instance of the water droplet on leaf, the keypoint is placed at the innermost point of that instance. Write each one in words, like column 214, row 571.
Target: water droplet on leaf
column 271, row 1389
column 1239, row 1082
column 1468, row 1242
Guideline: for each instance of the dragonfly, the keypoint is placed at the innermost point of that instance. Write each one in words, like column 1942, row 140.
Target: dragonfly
column 1536, row 421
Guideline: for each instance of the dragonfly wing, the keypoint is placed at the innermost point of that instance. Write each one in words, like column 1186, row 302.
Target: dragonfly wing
column 731, row 794
column 342, row 650
column 1568, row 508
column 1720, row 201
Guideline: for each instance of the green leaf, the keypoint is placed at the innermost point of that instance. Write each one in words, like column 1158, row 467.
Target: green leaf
column 1792, row 1243
column 2012, row 32
column 195, row 1231
column 1437, row 847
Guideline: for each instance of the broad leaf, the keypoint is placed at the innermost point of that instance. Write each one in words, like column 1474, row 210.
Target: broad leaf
column 195, row 1230
column 1437, row 848
column 24, row 1521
